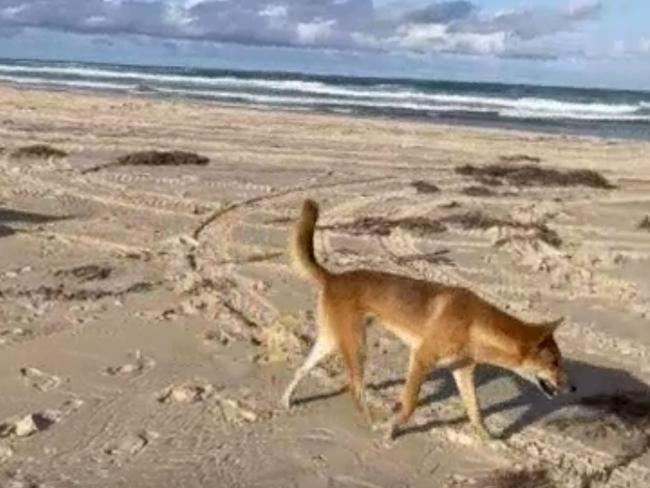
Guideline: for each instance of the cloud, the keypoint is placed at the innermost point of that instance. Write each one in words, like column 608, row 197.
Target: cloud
column 531, row 23
column 438, row 38
column 584, row 10
column 87, row 16
column 462, row 27
column 644, row 45
column 9, row 31
column 631, row 48
column 459, row 26
column 441, row 12
column 310, row 33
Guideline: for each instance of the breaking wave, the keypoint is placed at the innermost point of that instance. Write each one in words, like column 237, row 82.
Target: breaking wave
column 344, row 94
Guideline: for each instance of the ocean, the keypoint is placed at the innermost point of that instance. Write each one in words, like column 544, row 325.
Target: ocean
column 582, row 111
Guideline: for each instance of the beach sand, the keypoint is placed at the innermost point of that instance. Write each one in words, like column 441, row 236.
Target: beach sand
column 149, row 319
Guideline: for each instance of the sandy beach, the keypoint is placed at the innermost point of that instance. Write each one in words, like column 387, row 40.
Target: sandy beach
column 149, row 320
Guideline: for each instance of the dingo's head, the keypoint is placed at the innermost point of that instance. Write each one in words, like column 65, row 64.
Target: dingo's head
column 543, row 364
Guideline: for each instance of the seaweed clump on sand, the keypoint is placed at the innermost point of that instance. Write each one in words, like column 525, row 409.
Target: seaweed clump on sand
column 440, row 257
column 629, row 408
column 383, row 227
column 90, row 272
column 480, row 221
column 531, row 175
column 478, row 191
column 644, row 224
column 424, row 187
column 522, row 478
column 519, row 158
column 162, row 158
column 155, row 158
column 40, row 151
column 423, row 226
column 45, row 293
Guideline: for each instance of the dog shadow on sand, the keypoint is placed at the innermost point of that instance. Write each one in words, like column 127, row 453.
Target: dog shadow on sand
column 604, row 395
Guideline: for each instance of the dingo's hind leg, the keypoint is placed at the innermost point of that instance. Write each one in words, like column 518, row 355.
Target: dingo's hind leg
column 321, row 350
column 341, row 317
column 351, row 334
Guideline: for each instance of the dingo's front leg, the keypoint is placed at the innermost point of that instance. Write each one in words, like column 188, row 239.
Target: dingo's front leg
column 464, row 377
column 409, row 398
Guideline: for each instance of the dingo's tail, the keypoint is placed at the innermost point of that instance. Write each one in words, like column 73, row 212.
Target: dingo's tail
column 301, row 245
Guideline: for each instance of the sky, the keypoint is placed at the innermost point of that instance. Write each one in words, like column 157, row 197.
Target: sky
column 559, row 42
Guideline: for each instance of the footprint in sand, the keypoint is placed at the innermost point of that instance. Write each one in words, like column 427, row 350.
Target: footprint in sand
column 230, row 410
column 130, row 445
column 186, row 393
column 27, row 425
column 5, row 453
column 21, row 480
column 11, row 335
column 234, row 411
column 216, row 338
column 40, row 380
column 140, row 365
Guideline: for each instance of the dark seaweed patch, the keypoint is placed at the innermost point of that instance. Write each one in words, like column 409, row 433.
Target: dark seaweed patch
column 42, row 151
column 478, row 191
column 519, row 158
column 531, row 175
column 423, row 226
column 155, row 158
column 424, row 187
column 90, row 272
column 523, row 478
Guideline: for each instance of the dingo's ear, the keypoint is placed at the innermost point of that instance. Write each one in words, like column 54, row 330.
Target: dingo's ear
column 546, row 330
column 553, row 325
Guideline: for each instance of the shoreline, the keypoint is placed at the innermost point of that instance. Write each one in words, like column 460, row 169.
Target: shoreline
column 617, row 114
column 315, row 73
column 473, row 126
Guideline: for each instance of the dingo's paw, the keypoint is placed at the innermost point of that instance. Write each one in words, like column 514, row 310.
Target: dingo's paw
column 484, row 436
column 286, row 400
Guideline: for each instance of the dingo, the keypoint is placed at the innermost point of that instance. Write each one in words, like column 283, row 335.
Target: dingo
column 444, row 326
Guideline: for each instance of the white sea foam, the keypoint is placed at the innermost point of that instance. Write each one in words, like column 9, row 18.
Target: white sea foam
column 287, row 85
column 97, row 85
column 532, row 114
column 315, row 101
column 526, row 110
